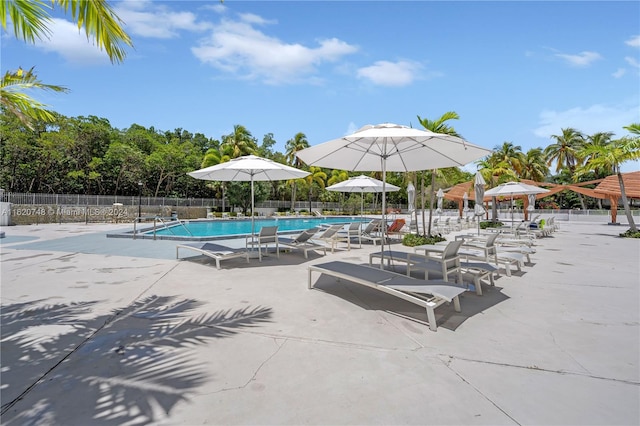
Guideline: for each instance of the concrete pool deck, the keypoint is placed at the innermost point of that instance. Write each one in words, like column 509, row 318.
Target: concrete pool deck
column 100, row 330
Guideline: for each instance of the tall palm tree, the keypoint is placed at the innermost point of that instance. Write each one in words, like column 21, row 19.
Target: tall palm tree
column 298, row 143
column 239, row 143
column 564, row 152
column 600, row 139
column 437, row 126
column 509, row 155
column 534, row 166
column 30, row 21
column 318, row 177
column 611, row 156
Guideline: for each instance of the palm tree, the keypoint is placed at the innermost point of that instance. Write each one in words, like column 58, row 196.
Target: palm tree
column 534, row 166
column 239, row 143
column 30, row 21
column 600, row 139
column 611, row 156
column 437, row 126
column 298, row 143
column 317, row 176
column 14, row 98
column 509, row 155
column 564, row 152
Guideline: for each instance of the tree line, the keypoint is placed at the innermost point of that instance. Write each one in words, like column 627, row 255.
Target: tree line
column 86, row 155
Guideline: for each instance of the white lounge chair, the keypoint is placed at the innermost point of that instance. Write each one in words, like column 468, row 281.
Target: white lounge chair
column 302, row 242
column 371, row 232
column 216, row 251
column 487, row 250
column 474, row 271
column 428, row 294
column 332, row 237
column 268, row 235
column 352, row 231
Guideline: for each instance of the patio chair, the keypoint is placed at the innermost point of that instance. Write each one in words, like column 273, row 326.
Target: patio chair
column 217, row 252
column 487, row 250
column 268, row 235
column 371, row 232
column 428, row 294
column 474, row 271
column 302, row 242
column 331, row 236
column 352, row 231
column 396, row 227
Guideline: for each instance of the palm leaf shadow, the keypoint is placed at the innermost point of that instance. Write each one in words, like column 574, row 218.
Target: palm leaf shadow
column 132, row 364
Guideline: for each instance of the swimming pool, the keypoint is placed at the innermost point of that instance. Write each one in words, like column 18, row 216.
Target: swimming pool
column 239, row 228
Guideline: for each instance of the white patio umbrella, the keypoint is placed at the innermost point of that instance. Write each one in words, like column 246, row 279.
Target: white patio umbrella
column 249, row 168
column 514, row 188
column 392, row 147
column 362, row 184
column 465, row 202
column 440, row 195
column 478, row 189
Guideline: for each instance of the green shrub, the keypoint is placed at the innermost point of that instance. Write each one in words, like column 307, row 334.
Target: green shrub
column 412, row 240
column 490, row 224
column 630, row 234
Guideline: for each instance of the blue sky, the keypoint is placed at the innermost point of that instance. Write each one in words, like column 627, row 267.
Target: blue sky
column 514, row 71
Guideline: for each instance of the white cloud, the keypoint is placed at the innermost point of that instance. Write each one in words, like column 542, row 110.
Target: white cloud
column 72, row 44
column 619, row 72
column 385, row 73
column 583, row 59
column 148, row 19
column 589, row 120
column 632, row 61
column 236, row 46
column 634, row 41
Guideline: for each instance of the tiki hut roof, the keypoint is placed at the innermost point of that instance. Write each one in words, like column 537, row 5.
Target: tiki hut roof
column 611, row 186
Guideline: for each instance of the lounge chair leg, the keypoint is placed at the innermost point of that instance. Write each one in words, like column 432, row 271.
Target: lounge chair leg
column 456, row 304
column 431, row 318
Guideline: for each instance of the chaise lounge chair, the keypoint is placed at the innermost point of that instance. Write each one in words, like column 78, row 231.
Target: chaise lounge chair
column 332, row 237
column 216, row 251
column 428, row 294
column 302, row 242
column 371, row 232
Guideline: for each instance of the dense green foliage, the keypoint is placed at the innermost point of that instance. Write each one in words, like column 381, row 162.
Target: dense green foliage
column 490, row 224
column 412, row 240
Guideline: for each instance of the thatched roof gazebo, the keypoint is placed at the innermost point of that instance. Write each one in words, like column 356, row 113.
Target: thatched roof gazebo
column 607, row 189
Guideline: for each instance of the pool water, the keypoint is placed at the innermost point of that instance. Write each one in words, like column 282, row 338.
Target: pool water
column 234, row 228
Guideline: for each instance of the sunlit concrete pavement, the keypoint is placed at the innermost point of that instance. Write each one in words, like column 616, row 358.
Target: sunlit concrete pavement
column 98, row 330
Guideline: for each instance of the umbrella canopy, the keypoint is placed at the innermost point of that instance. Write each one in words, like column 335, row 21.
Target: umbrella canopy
column 411, row 195
column 440, row 195
column 392, row 147
column 362, row 184
column 249, row 168
column 514, row 188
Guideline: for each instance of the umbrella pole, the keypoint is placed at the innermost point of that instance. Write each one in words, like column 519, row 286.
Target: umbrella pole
column 252, row 220
column 384, row 210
